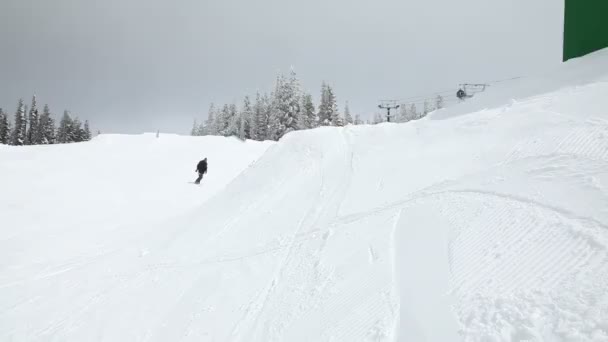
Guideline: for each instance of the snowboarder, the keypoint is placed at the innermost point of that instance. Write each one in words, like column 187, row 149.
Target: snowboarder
column 201, row 168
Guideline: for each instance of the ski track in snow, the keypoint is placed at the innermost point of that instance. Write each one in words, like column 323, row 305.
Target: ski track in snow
column 315, row 218
column 489, row 226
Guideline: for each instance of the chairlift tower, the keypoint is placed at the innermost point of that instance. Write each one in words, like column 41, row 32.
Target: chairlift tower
column 388, row 105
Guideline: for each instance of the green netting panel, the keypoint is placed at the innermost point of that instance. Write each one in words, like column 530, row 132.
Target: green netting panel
column 585, row 27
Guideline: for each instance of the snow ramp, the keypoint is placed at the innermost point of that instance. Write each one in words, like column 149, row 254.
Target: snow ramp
column 489, row 226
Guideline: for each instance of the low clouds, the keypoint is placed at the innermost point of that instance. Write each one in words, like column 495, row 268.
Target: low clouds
column 140, row 65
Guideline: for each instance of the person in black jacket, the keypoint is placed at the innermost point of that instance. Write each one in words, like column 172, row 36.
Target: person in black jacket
column 201, row 168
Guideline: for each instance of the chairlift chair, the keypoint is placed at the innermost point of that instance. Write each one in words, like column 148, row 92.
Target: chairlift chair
column 467, row 90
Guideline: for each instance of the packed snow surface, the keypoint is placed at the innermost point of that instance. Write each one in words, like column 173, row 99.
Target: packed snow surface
column 484, row 222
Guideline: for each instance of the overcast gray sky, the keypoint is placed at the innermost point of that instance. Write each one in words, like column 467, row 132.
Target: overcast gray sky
column 131, row 66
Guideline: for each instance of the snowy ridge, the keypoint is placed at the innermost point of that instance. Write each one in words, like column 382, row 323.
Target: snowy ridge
column 489, row 226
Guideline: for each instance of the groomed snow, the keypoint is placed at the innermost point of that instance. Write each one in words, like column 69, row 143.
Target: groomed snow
column 484, row 222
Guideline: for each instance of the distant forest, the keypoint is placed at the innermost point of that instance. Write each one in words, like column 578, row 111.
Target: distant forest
column 34, row 128
column 289, row 108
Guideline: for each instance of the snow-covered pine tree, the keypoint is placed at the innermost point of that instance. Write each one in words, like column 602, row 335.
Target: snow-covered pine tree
column 258, row 119
column 260, row 113
column 34, row 123
column 428, row 107
column 413, row 112
column 279, row 108
column 39, row 134
column 46, row 128
column 348, row 119
column 195, row 128
column 273, row 117
column 240, row 125
column 201, row 129
column 378, row 118
column 439, row 102
column 241, row 134
column 253, row 120
column 246, row 131
column 222, row 120
column 25, row 110
column 10, row 131
column 19, row 132
column 402, row 116
column 291, row 120
column 64, row 131
column 308, row 115
column 328, row 109
column 215, row 128
column 4, row 128
column 324, row 115
column 86, row 131
column 77, row 133
column 234, row 121
column 267, row 105
column 210, row 124
column 358, row 120
column 286, row 106
column 334, row 114
column 339, row 121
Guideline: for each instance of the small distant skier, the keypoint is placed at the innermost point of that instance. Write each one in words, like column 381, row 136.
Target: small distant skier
column 201, row 168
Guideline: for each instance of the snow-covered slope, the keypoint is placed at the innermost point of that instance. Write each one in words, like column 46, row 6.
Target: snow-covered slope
column 486, row 226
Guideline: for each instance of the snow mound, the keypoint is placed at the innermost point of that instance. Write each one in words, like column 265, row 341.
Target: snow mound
column 489, row 226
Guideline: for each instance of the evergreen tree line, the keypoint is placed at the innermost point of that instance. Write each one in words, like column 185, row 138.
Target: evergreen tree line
column 40, row 129
column 270, row 116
